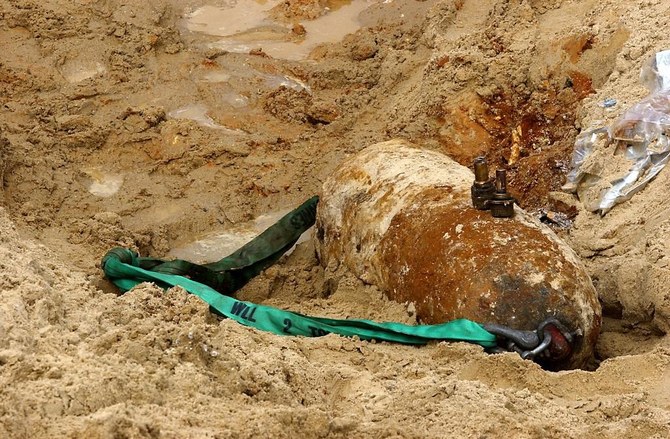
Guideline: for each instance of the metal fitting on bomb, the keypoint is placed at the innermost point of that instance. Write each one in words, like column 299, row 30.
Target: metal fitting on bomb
column 489, row 196
column 482, row 190
column 502, row 203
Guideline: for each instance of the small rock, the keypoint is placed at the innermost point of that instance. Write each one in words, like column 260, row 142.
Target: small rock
column 411, row 309
column 342, row 425
column 569, row 200
column 298, row 29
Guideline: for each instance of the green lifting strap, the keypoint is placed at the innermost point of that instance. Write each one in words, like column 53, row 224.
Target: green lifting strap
column 232, row 272
column 126, row 270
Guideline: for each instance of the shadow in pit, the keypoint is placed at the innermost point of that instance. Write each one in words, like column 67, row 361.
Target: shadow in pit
column 619, row 337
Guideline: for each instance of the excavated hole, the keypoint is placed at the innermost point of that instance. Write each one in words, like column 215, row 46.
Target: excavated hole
column 530, row 135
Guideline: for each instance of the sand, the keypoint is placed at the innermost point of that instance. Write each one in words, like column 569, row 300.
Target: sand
column 94, row 154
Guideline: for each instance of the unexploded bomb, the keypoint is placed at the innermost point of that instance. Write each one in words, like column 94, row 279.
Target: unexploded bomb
column 402, row 218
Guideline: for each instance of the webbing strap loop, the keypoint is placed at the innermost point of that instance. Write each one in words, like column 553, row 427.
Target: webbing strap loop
column 235, row 270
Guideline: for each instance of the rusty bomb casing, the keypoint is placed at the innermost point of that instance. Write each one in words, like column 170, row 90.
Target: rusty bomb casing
column 402, row 219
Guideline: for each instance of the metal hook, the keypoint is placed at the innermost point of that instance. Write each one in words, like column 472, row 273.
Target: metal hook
column 531, row 344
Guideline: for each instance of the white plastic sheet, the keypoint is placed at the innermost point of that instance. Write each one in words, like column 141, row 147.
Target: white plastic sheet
column 644, row 131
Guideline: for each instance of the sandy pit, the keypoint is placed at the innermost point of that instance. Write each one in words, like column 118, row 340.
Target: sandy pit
column 167, row 126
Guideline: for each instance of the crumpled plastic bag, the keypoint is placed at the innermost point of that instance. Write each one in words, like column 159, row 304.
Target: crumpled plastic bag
column 643, row 131
column 645, row 121
column 586, row 141
column 655, row 73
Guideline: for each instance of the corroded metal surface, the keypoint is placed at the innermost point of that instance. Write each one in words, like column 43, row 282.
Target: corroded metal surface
column 401, row 218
